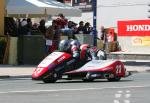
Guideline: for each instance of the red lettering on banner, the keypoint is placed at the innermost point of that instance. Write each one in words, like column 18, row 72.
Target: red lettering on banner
column 134, row 28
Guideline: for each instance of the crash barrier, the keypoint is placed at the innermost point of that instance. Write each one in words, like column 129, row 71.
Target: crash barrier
column 129, row 56
column 85, row 38
column 64, row 37
column 30, row 49
column 12, row 58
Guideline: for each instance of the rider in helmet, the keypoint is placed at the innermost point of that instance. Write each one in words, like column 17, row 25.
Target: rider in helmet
column 87, row 53
column 64, row 45
column 75, row 45
column 71, row 47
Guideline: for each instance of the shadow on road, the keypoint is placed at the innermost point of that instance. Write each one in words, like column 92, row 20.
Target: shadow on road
column 78, row 81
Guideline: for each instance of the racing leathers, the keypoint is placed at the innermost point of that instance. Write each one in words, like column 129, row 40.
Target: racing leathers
column 88, row 53
column 75, row 52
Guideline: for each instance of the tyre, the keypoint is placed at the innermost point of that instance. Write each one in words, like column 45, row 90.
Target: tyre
column 50, row 79
column 114, row 79
column 88, row 80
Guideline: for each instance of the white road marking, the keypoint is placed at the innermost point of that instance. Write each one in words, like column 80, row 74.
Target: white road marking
column 56, row 95
column 76, row 89
column 118, row 95
column 126, row 101
column 127, row 95
column 120, row 91
column 128, row 91
column 116, row 101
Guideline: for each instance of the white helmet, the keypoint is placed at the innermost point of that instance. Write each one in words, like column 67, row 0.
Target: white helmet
column 76, row 43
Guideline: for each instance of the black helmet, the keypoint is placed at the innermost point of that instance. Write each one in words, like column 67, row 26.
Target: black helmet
column 64, row 45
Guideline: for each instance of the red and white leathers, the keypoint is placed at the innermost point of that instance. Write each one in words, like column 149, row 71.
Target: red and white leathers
column 87, row 52
column 83, row 52
column 75, row 51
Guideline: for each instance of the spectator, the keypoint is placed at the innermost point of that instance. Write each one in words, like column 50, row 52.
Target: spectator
column 22, row 28
column 72, row 26
column 35, row 30
column 52, row 37
column 29, row 26
column 42, row 27
column 62, row 21
column 87, row 29
column 102, row 33
column 26, row 26
column 10, row 27
column 23, row 22
column 35, row 26
column 80, row 29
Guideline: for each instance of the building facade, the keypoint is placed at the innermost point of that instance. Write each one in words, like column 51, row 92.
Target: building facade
column 109, row 12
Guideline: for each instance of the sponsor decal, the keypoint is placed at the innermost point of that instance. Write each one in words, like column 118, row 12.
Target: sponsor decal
column 84, row 5
column 138, row 28
column 141, row 41
column 61, row 59
column 134, row 28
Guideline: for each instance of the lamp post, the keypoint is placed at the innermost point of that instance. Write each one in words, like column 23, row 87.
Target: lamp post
column 2, row 11
column 94, row 3
column 149, row 11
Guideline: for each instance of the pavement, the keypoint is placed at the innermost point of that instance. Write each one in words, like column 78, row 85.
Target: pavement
column 16, row 71
column 25, row 71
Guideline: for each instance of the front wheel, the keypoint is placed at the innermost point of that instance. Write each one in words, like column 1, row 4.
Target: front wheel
column 50, row 79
